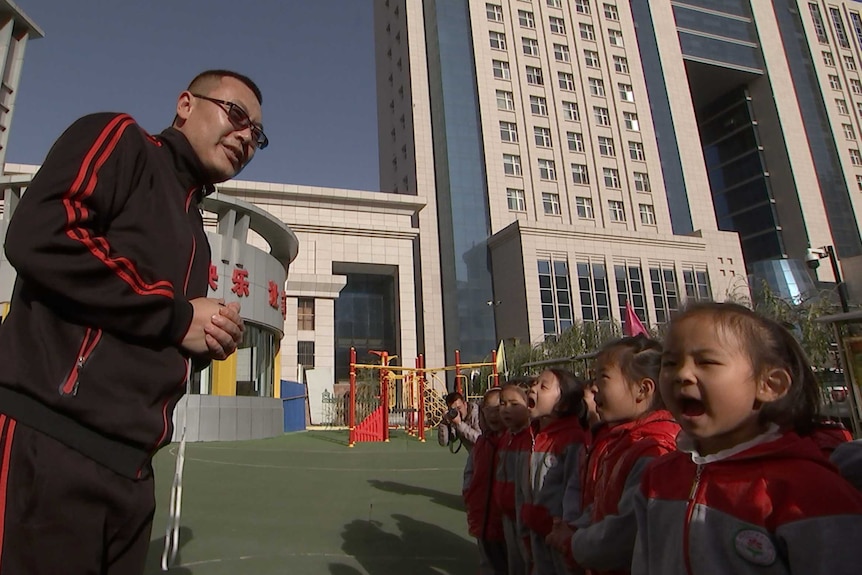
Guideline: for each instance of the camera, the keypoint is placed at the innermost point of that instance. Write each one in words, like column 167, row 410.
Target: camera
column 452, row 413
column 812, row 258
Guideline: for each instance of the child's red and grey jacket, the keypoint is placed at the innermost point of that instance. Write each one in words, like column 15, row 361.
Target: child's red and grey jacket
column 593, row 454
column 774, row 505
column 554, row 487
column 109, row 247
column 484, row 517
column 511, row 469
column 605, row 546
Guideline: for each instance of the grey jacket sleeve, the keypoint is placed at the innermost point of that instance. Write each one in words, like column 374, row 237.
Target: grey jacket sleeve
column 469, row 430
column 443, row 434
column 640, row 556
column 571, row 500
column 823, row 545
column 608, row 544
column 847, row 457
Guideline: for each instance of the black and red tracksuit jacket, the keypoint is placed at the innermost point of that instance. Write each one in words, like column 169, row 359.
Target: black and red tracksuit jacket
column 109, row 247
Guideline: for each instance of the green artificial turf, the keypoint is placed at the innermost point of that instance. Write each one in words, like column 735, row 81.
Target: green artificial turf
column 305, row 503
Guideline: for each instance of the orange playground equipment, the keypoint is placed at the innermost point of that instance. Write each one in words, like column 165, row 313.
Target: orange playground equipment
column 411, row 398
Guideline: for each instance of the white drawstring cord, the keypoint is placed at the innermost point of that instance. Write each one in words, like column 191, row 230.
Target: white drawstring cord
column 172, row 533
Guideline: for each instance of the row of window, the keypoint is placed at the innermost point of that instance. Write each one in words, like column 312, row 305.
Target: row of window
column 527, row 19
column 583, row 207
column 530, row 47
column 580, row 174
column 837, row 25
column 594, row 291
column 855, row 84
column 542, row 137
column 539, row 104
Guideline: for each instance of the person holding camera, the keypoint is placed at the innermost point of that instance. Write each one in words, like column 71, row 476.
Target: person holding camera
column 461, row 422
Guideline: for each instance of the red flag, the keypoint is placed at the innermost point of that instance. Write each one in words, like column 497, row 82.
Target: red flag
column 633, row 325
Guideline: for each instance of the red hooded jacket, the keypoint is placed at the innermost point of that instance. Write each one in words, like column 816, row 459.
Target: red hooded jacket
column 484, row 516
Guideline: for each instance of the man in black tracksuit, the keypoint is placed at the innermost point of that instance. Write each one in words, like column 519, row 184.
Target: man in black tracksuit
column 107, row 314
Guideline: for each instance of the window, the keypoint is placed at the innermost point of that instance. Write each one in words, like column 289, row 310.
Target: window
column 636, row 151
column 494, row 12
column 612, row 177
column 305, row 314
column 696, row 284
column 857, row 26
column 571, row 112
column 561, row 53
column 611, row 12
column 505, row 100
column 582, row 6
column 647, row 214
column 819, row 28
column 526, row 19
column 626, row 92
column 512, row 164
column 859, row 182
column 606, row 146
column 555, row 3
column 828, row 59
column 588, row 32
column 498, row 40
column 855, row 157
column 859, row 108
column 630, row 289
column 551, row 203
column 538, row 106
column 849, row 133
column 591, row 58
column 664, row 291
column 855, row 86
column 597, row 87
column 838, row 26
column 631, row 121
column 579, row 174
column 834, row 82
column 576, row 141
column 516, row 200
column 850, row 63
column 601, row 116
column 534, row 76
column 558, row 25
column 584, row 207
column 556, row 296
column 547, row 169
column 621, row 64
column 501, row 70
column 305, row 353
column 567, row 81
column 615, row 37
column 842, row 107
column 642, row 182
column 531, row 46
column 543, row 136
column 593, row 289
column 508, row 131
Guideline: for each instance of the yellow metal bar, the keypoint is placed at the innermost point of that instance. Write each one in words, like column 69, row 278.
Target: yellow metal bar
column 224, row 376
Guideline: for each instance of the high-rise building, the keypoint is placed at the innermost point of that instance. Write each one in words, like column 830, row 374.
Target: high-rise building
column 554, row 190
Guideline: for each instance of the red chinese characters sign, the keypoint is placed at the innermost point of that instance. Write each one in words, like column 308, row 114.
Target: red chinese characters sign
column 273, row 294
column 240, row 282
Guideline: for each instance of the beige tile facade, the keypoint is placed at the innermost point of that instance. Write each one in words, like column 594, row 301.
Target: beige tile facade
column 339, row 229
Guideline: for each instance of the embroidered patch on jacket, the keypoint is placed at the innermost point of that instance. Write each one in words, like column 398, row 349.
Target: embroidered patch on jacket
column 755, row 547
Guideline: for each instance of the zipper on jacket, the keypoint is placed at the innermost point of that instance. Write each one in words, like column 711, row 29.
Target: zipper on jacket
column 91, row 339
column 692, row 496
column 165, row 424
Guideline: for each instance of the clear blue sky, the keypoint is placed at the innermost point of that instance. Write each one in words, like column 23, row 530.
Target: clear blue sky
column 313, row 60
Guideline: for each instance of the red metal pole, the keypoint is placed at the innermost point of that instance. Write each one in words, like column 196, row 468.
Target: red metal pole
column 352, row 407
column 494, row 361
column 421, row 364
column 384, row 359
column 458, row 372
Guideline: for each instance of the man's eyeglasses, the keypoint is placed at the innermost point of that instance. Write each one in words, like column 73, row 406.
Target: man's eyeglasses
column 240, row 120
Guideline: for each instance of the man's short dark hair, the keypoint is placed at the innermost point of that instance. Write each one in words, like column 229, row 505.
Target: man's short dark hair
column 202, row 81
column 453, row 397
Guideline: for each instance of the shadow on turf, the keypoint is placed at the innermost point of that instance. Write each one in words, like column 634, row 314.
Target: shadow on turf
column 450, row 500
column 154, row 555
column 329, row 437
column 420, row 549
